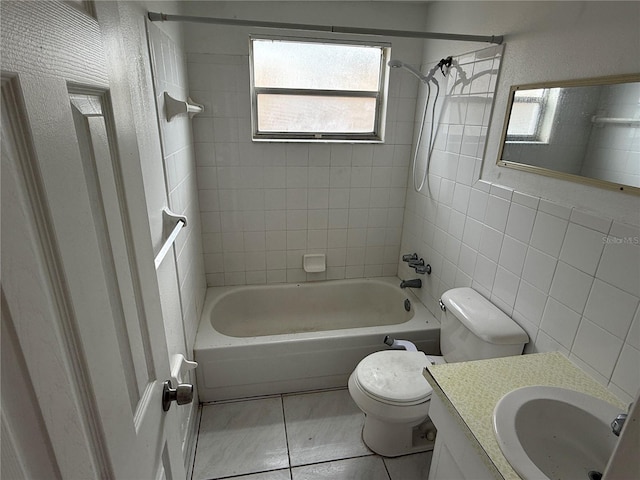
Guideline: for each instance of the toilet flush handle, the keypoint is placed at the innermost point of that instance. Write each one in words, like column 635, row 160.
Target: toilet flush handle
column 442, row 306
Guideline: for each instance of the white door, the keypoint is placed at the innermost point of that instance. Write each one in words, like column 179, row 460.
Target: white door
column 85, row 357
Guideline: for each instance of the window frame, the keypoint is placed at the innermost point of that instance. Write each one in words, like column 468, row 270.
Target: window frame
column 381, row 95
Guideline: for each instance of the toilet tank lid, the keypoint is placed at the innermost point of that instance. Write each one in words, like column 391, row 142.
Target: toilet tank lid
column 483, row 318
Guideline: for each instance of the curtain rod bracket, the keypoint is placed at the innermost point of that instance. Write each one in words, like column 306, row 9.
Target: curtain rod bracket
column 156, row 17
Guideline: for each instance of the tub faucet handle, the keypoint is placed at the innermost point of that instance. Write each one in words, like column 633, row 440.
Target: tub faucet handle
column 422, row 269
column 416, row 263
column 409, row 257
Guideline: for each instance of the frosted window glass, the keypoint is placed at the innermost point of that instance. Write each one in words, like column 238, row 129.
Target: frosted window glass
column 524, row 119
column 316, row 90
column 318, row 66
column 533, row 93
column 318, row 114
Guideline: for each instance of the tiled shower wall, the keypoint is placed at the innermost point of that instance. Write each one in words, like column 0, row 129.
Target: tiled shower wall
column 614, row 150
column 570, row 278
column 264, row 205
column 180, row 276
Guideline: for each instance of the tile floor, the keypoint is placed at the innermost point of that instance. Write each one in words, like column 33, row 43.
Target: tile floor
column 306, row 436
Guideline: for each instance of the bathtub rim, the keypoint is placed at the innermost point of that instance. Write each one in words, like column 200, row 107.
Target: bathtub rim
column 207, row 337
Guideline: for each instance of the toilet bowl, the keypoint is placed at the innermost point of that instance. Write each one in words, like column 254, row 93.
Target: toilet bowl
column 389, row 386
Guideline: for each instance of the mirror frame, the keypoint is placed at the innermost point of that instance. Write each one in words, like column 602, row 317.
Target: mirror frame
column 611, row 80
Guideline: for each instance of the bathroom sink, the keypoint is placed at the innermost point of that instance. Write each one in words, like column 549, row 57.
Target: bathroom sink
column 554, row 433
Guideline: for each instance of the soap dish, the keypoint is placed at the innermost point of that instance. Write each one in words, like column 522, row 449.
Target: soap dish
column 314, row 262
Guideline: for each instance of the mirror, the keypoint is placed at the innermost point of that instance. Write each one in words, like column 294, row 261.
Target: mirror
column 585, row 130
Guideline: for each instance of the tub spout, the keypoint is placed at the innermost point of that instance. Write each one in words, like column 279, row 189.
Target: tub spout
column 415, row 283
column 400, row 344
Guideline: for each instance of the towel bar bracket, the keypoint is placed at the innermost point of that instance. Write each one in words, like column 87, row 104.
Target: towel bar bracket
column 172, row 224
column 175, row 107
column 169, row 221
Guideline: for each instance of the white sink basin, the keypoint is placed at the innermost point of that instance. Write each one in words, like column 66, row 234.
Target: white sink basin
column 554, row 433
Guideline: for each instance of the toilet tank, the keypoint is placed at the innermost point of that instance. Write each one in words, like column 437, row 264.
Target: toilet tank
column 472, row 328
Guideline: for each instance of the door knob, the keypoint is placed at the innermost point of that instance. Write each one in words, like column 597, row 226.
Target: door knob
column 182, row 394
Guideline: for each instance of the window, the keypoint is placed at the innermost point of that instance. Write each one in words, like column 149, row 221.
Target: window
column 532, row 114
column 317, row 90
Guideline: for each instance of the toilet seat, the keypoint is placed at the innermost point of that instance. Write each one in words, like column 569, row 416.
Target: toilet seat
column 394, row 377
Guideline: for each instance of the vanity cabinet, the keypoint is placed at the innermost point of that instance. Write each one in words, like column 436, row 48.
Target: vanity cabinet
column 454, row 456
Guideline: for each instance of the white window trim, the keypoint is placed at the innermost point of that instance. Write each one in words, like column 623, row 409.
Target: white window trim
column 381, row 96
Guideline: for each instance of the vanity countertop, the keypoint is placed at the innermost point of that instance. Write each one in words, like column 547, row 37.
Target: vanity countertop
column 471, row 390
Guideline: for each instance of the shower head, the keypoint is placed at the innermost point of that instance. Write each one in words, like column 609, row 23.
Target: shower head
column 399, row 64
column 445, row 62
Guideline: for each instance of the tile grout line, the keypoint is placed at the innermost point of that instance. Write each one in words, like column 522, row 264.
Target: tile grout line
column 308, row 464
column 195, row 448
column 244, row 475
column 286, row 435
column 386, row 467
column 272, row 395
column 340, row 459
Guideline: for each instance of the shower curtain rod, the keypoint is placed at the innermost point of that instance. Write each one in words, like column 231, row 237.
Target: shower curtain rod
column 163, row 17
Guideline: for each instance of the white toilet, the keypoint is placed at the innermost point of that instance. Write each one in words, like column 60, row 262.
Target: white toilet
column 390, row 389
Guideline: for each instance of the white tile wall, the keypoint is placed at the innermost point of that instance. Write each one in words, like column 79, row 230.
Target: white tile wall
column 181, row 275
column 570, row 278
column 264, row 205
column 170, row 74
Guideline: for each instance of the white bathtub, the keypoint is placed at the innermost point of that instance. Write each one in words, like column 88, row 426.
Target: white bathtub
column 270, row 339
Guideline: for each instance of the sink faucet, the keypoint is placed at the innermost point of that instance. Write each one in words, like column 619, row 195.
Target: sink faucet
column 618, row 423
column 415, row 283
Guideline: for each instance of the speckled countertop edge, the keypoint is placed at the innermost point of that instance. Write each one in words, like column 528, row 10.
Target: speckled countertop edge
column 471, row 391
